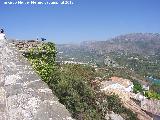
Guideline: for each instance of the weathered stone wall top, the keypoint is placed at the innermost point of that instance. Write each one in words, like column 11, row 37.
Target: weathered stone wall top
column 23, row 95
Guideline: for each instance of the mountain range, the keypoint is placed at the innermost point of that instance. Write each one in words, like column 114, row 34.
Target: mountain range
column 137, row 51
column 141, row 43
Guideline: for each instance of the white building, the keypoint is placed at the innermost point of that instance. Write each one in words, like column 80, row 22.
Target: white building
column 118, row 84
column 145, row 87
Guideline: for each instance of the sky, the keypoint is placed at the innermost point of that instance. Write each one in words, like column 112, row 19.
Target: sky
column 84, row 20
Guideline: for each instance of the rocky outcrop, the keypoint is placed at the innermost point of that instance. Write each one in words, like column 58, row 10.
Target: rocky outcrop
column 141, row 115
column 113, row 116
column 151, row 106
column 23, row 95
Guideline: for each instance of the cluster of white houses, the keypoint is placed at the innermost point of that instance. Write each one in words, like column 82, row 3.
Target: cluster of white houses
column 118, row 84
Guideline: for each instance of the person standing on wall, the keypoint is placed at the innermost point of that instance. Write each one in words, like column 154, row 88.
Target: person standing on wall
column 2, row 31
column 2, row 35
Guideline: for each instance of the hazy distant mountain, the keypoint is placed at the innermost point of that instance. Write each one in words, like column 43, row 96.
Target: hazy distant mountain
column 146, row 43
column 139, row 43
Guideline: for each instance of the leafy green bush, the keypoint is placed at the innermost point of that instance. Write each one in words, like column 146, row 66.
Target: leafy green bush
column 152, row 95
column 42, row 59
column 137, row 87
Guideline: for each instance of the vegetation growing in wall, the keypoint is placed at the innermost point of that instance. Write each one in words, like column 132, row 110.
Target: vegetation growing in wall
column 73, row 86
column 42, row 60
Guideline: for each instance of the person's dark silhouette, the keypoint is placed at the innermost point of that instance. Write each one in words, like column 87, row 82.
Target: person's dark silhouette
column 2, row 31
column 43, row 39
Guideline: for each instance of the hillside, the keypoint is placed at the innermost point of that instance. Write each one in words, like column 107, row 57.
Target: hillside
column 139, row 52
column 133, row 56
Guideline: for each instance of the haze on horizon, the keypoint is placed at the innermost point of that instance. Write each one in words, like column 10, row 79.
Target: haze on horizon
column 85, row 20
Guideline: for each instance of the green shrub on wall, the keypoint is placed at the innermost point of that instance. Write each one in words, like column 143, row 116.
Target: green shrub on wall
column 42, row 59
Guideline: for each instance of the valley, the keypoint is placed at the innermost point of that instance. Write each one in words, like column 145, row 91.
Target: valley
column 133, row 56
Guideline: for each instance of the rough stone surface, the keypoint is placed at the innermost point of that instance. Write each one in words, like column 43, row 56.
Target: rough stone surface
column 23, row 95
column 113, row 116
column 151, row 106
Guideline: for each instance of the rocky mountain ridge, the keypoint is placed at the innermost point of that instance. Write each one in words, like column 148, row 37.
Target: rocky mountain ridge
column 143, row 43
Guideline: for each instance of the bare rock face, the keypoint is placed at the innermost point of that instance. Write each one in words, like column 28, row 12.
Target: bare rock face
column 23, row 95
column 151, row 106
column 113, row 116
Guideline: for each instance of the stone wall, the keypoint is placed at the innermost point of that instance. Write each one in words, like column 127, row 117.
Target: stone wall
column 23, row 95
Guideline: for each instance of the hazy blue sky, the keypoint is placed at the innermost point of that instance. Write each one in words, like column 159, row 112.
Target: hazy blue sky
column 85, row 20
